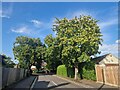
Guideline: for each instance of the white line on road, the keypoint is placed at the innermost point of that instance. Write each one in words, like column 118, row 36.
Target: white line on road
column 33, row 83
column 54, row 83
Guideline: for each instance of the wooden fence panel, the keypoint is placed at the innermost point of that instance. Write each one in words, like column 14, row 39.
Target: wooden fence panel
column 111, row 75
column 107, row 74
column 99, row 74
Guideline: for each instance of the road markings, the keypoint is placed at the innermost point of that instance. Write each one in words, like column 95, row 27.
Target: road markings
column 83, row 85
column 33, row 83
column 54, row 83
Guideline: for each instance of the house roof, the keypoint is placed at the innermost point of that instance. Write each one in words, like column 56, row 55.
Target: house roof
column 100, row 58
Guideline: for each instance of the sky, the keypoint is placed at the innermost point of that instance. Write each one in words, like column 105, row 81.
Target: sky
column 36, row 20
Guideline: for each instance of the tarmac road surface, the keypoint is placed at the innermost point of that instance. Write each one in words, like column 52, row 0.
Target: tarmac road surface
column 53, row 82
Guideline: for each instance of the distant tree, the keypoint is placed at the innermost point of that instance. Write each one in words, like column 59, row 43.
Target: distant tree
column 52, row 53
column 7, row 61
column 40, row 55
column 27, row 51
column 79, row 38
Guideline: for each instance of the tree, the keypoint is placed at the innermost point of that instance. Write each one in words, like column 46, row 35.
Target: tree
column 6, row 61
column 40, row 55
column 52, row 53
column 79, row 38
column 27, row 51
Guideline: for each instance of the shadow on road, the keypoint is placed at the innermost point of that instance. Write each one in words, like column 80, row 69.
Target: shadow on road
column 41, row 84
column 44, row 85
column 52, row 87
column 101, row 87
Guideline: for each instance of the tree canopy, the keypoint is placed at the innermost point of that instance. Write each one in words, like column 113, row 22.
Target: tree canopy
column 52, row 52
column 79, row 37
column 76, row 41
column 28, row 51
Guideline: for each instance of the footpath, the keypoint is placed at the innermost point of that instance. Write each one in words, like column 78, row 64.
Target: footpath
column 91, row 84
column 24, row 84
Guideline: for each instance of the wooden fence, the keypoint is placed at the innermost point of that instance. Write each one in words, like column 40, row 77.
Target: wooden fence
column 107, row 74
column 12, row 75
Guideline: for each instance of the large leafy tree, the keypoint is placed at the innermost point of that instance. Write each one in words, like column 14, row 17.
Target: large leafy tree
column 27, row 51
column 79, row 39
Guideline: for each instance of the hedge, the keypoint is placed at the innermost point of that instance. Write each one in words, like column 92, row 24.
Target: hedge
column 62, row 71
column 65, row 72
column 86, row 71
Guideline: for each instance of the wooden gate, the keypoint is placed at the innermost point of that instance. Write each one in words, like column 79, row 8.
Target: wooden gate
column 99, row 73
column 107, row 74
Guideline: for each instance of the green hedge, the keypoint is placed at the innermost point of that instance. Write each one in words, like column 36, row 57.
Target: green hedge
column 65, row 72
column 62, row 71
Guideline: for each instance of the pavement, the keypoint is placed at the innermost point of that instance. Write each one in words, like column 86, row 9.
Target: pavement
column 53, row 82
column 23, row 84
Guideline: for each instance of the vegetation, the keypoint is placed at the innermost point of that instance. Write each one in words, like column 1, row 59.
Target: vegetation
column 76, row 41
column 29, row 51
column 89, row 71
column 79, row 39
column 89, row 74
column 52, row 53
column 65, row 72
column 7, row 61
column 62, row 71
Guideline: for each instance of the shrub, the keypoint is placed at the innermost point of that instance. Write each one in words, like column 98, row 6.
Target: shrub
column 65, row 72
column 70, row 72
column 62, row 71
column 89, row 71
column 89, row 74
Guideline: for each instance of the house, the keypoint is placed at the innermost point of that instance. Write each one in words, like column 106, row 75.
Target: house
column 106, row 59
column 106, row 67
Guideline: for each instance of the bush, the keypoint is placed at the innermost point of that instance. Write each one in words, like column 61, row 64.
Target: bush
column 62, row 71
column 89, row 71
column 89, row 74
column 65, row 72
column 70, row 72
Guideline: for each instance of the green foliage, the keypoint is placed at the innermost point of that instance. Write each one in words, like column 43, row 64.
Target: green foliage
column 9, row 63
column 62, row 71
column 89, row 71
column 70, row 72
column 28, row 51
column 79, row 38
column 89, row 74
column 52, row 53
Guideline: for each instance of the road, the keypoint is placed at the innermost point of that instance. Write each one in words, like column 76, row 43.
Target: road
column 54, row 82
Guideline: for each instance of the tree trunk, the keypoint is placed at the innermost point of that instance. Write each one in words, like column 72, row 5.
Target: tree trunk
column 76, row 73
